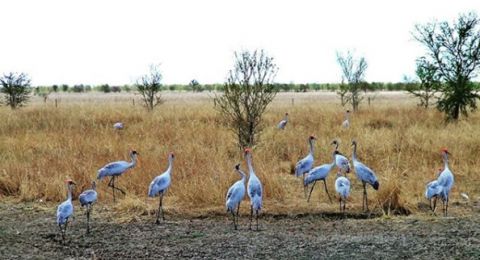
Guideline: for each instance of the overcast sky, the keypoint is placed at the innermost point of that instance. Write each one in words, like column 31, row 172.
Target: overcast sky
column 114, row 42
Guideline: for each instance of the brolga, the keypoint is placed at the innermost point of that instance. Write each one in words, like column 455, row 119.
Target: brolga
column 342, row 187
column 364, row 174
column 432, row 191
column 254, row 189
column 87, row 199
column 235, row 195
column 319, row 173
column 65, row 210
column 115, row 169
column 305, row 165
column 340, row 160
column 283, row 123
column 446, row 180
column 159, row 186
column 346, row 122
column 118, row 125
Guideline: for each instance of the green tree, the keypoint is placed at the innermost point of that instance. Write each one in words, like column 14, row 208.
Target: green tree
column 429, row 84
column 248, row 91
column 16, row 89
column 149, row 86
column 353, row 71
column 454, row 50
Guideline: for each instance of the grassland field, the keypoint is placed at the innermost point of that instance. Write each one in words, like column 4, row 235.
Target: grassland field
column 43, row 144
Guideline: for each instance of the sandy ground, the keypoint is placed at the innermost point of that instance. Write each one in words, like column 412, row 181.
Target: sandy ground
column 27, row 232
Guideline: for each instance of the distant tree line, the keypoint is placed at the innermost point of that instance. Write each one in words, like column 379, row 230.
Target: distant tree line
column 281, row 87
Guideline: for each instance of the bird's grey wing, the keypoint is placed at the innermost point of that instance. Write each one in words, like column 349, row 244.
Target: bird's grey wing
column 366, row 172
column 65, row 209
column 114, row 165
column 255, row 189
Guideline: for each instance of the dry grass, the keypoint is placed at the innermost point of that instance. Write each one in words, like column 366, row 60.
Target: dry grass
column 41, row 145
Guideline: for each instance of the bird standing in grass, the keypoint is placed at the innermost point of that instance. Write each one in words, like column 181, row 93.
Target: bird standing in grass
column 88, row 198
column 116, row 169
column 342, row 187
column 305, row 165
column 235, row 195
column 118, row 125
column 319, row 173
column 446, row 180
column 364, row 174
column 254, row 188
column 283, row 123
column 65, row 210
column 346, row 123
column 340, row 160
column 160, row 184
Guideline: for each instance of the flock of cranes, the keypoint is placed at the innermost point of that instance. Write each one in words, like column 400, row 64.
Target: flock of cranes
column 437, row 189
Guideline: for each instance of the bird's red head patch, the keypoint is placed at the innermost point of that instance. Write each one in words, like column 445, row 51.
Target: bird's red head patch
column 444, row 150
column 69, row 181
column 247, row 150
column 312, row 137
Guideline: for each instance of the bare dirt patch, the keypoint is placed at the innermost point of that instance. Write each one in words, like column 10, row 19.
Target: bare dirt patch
column 27, row 232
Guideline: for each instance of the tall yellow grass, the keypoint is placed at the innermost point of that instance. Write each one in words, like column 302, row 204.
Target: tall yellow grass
column 41, row 146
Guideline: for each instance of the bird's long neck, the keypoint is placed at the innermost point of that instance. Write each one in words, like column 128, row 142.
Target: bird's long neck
column 249, row 162
column 334, row 158
column 347, row 116
column 69, row 192
column 354, row 155
column 242, row 174
column 445, row 160
column 170, row 165
column 134, row 160
column 286, row 118
column 310, row 142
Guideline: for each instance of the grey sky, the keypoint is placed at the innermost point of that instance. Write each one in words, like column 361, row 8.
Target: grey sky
column 95, row 42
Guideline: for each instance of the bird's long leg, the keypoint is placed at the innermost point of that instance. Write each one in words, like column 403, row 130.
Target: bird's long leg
column 251, row 217
column 234, row 223
column 304, row 187
column 61, row 232
column 364, row 195
column 64, row 230
column 325, row 184
column 122, row 191
column 434, row 204
column 313, row 185
column 157, row 221
column 344, row 204
column 446, row 206
column 112, row 184
column 256, row 216
column 88, row 218
column 238, row 212
column 340, row 202
column 161, row 207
